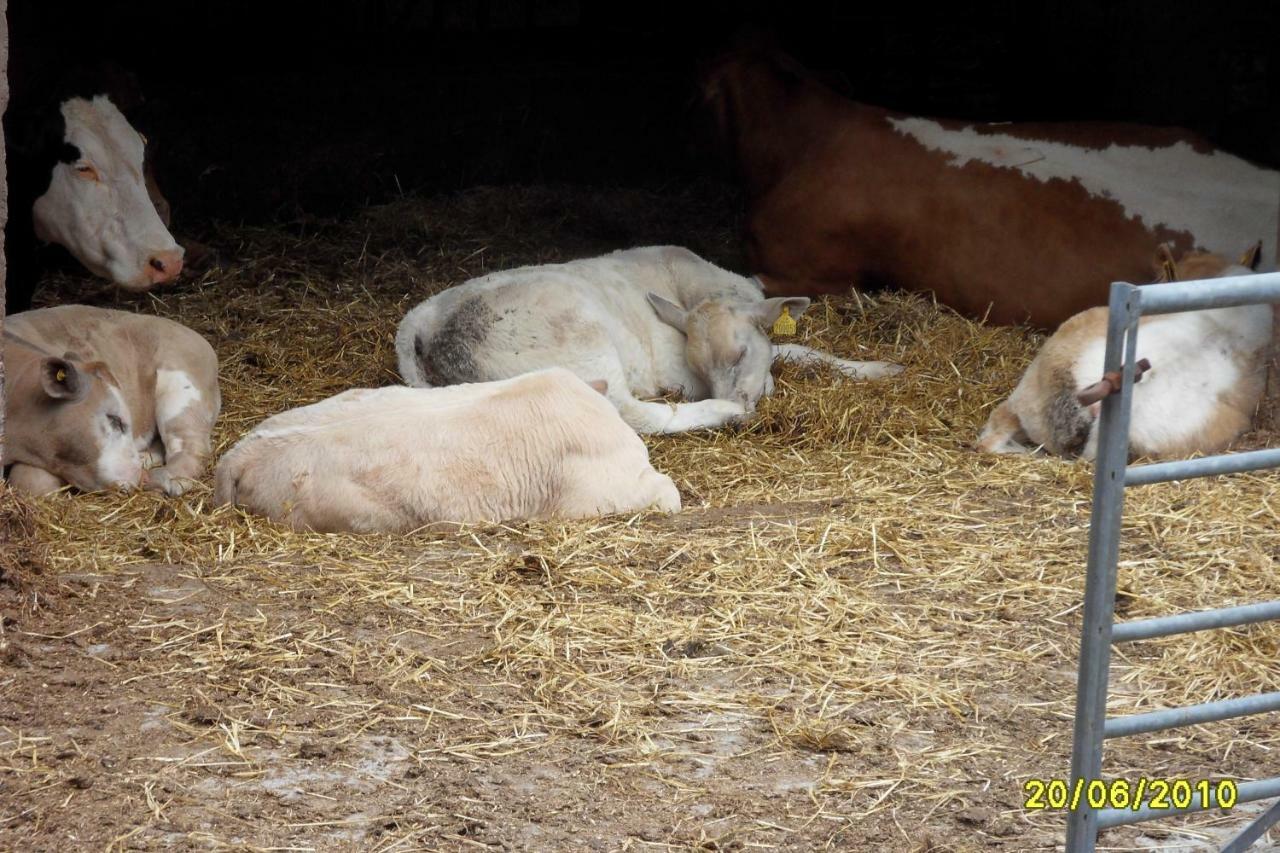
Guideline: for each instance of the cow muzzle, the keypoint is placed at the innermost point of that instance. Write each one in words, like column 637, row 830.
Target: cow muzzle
column 164, row 266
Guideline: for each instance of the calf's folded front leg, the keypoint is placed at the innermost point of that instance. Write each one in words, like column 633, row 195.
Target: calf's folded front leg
column 187, row 446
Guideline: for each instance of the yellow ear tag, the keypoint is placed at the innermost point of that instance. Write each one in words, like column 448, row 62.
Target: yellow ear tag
column 785, row 324
column 62, row 375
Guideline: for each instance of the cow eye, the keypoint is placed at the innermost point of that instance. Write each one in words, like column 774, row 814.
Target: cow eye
column 116, row 423
column 87, row 172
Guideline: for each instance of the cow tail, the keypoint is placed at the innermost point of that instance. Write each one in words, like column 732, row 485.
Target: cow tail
column 226, row 480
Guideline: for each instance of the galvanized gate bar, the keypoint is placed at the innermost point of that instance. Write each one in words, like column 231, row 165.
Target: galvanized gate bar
column 1111, row 475
column 1247, row 792
column 1254, row 831
column 1209, row 293
column 1185, row 623
column 1208, row 466
column 1104, row 551
column 1192, row 715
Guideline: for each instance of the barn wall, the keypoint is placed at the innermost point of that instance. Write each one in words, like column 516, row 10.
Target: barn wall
column 4, row 190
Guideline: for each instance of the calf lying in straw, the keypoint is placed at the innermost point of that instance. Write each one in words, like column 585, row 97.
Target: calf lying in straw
column 95, row 395
column 394, row 459
column 1207, row 371
column 650, row 321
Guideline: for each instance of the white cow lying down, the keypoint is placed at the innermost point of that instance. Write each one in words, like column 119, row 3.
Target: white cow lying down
column 649, row 321
column 541, row 445
column 1208, row 369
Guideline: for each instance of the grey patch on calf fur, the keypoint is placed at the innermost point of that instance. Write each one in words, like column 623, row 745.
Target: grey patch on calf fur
column 449, row 357
column 1069, row 422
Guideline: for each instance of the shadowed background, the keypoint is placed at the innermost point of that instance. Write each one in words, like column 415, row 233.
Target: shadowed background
column 282, row 111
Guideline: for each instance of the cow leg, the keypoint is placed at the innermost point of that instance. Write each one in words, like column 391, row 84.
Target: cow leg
column 645, row 417
column 799, row 354
column 33, row 480
column 187, row 445
column 1003, row 432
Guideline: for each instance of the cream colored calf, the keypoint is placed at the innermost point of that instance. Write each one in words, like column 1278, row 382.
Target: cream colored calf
column 540, row 445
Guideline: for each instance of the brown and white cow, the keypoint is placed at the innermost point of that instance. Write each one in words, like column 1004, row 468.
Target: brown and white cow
column 1207, row 370
column 1011, row 222
column 94, row 395
column 650, row 321
column 538, row 446
column 80, row 179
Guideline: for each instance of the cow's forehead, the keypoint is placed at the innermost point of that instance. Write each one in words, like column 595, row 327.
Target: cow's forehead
column 99, row 129
column 725, row 327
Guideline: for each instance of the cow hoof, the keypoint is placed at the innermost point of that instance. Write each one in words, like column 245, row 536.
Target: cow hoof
column 726, row 412
column 873, row 369
column 160, row 480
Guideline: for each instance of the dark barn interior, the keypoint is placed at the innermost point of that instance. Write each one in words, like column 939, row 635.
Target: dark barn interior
column 277, row 111
column 857, row 634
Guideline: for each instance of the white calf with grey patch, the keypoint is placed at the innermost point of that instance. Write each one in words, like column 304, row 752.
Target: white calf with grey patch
column 538, row 446
column 650, row 321
column 94, row 396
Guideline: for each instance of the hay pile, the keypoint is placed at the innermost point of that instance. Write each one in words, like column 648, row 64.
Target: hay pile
column 21, row 551
column 859, row 633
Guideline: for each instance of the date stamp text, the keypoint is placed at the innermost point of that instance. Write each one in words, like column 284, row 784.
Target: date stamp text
column 1158, row 794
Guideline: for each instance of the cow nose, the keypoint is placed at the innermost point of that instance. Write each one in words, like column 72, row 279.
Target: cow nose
column 164, row 266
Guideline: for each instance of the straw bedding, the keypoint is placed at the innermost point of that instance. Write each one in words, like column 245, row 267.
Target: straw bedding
column 859, row 634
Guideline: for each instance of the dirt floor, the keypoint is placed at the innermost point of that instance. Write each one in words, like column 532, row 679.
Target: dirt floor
column 860, row 635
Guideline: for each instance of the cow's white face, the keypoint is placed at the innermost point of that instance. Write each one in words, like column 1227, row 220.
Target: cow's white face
column 97, row 205
column 727, row 345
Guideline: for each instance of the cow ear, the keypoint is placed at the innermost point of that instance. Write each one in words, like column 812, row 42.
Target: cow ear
column 668, row 312
column 62, row 380
column 770, row 310
column 601, row 386
column 1251, row 256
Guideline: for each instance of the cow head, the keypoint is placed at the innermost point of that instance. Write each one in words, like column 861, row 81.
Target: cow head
column 1193, row 266
column 70, row 419
column 97, row 203
column 755, row 103
column 727, row 344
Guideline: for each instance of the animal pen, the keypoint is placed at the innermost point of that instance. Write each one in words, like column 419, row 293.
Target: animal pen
column 1112, row 475
column 858, row 635
column 857, row 623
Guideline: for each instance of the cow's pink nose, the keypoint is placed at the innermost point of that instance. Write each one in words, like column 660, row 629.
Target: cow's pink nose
column 164, row 266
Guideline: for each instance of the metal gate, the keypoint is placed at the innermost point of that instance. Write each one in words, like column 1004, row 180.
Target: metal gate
column 1112, row 475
